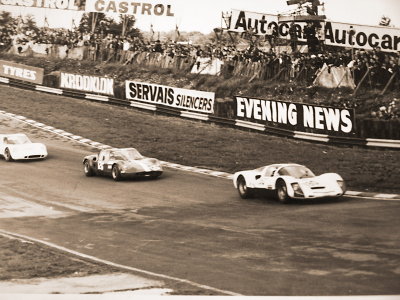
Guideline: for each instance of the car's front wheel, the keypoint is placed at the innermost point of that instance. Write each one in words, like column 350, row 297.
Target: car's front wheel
column 244, row 191
column 7, row 155
column 88, row 169
column 116, row 173
column 281, row 191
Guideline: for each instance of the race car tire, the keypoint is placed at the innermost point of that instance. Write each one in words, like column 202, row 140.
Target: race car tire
column 281, row 192
column 88, row 169
column 116, row 173
column 156, row 175
column 244, row 191
column 7, row 155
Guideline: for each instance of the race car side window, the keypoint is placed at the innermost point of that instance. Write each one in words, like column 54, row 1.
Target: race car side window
column 102, row 156
column 284, row 172
column 269, row 171
column 107, row 156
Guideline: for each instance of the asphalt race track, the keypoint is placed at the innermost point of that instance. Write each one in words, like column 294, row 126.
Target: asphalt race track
column 196, row 227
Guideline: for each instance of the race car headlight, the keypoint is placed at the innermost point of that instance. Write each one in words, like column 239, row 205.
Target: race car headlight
column 155, row 167
column 155, row 162
column 342, row 185
column 297, row 189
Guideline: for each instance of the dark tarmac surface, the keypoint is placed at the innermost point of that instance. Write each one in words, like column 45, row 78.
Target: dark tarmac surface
column 197, row 228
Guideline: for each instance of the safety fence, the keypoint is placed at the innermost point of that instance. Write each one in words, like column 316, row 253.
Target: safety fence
column 273, row 70
column 142, row 58
column 231, row 122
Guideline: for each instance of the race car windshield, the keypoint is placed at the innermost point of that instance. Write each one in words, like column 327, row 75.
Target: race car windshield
column 16, row 140
column 297, row 172
column 129, row 154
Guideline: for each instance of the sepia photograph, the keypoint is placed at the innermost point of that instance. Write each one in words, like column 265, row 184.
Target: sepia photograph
column 182, row 148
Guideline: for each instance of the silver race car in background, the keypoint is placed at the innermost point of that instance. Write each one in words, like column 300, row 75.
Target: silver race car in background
column 19, row 147
column 119, row 163
column 289, row 181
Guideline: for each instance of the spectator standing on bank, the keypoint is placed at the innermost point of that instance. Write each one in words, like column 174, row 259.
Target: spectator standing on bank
column 158, row 47
column 293, row 36
column 310, row 35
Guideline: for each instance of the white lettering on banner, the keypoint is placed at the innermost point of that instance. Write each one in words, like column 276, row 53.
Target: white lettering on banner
column 198, row 101
column 85, row 83
column 53, row 4
column 336, row 33
column 279, row 112
column 19, row 72
column 265, row 110
column 327, row 118
column 129, row 8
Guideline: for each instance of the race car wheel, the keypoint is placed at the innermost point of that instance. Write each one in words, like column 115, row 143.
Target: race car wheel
column 7, row 155
column 116, row 173
column 156, row 175
column 244, row 191
column 281, row 191
column 88, row 169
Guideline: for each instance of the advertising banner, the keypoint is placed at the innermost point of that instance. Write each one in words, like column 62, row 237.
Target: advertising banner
column 53, row 4
column 334, row 33
column 198, row 101
column 129, row 7
column 90, row 84
column 296, row 116
column 21, row 72
column 334, row 77
column 207, row 65
column 364, row 37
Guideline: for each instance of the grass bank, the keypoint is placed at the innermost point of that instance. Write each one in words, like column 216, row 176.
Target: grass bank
column 199, row 144
column 225, row 88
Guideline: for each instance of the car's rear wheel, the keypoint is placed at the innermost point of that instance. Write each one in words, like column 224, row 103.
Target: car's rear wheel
column 244, row 191
column 88, row 169
column 281, row 192
column 116, row 173
column 7, row 155
column 156, row 175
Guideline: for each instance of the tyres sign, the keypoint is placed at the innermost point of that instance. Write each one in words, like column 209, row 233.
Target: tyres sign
column 21, row 72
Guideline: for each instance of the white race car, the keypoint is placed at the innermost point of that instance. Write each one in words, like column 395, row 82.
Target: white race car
column 18, row 146
column 289, row 181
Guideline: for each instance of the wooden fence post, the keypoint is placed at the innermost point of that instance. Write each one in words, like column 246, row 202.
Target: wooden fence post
column 388, row 83
column 277, row 75
column 361, row 81
column 298, row 74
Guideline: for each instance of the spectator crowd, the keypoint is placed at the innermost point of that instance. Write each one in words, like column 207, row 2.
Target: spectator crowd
column 375, row 68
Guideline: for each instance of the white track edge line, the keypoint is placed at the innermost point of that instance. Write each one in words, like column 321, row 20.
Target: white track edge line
column 372, row 197
column 352, row 194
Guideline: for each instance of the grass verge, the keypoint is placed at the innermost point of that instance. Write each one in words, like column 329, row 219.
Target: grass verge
column 25, row 260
